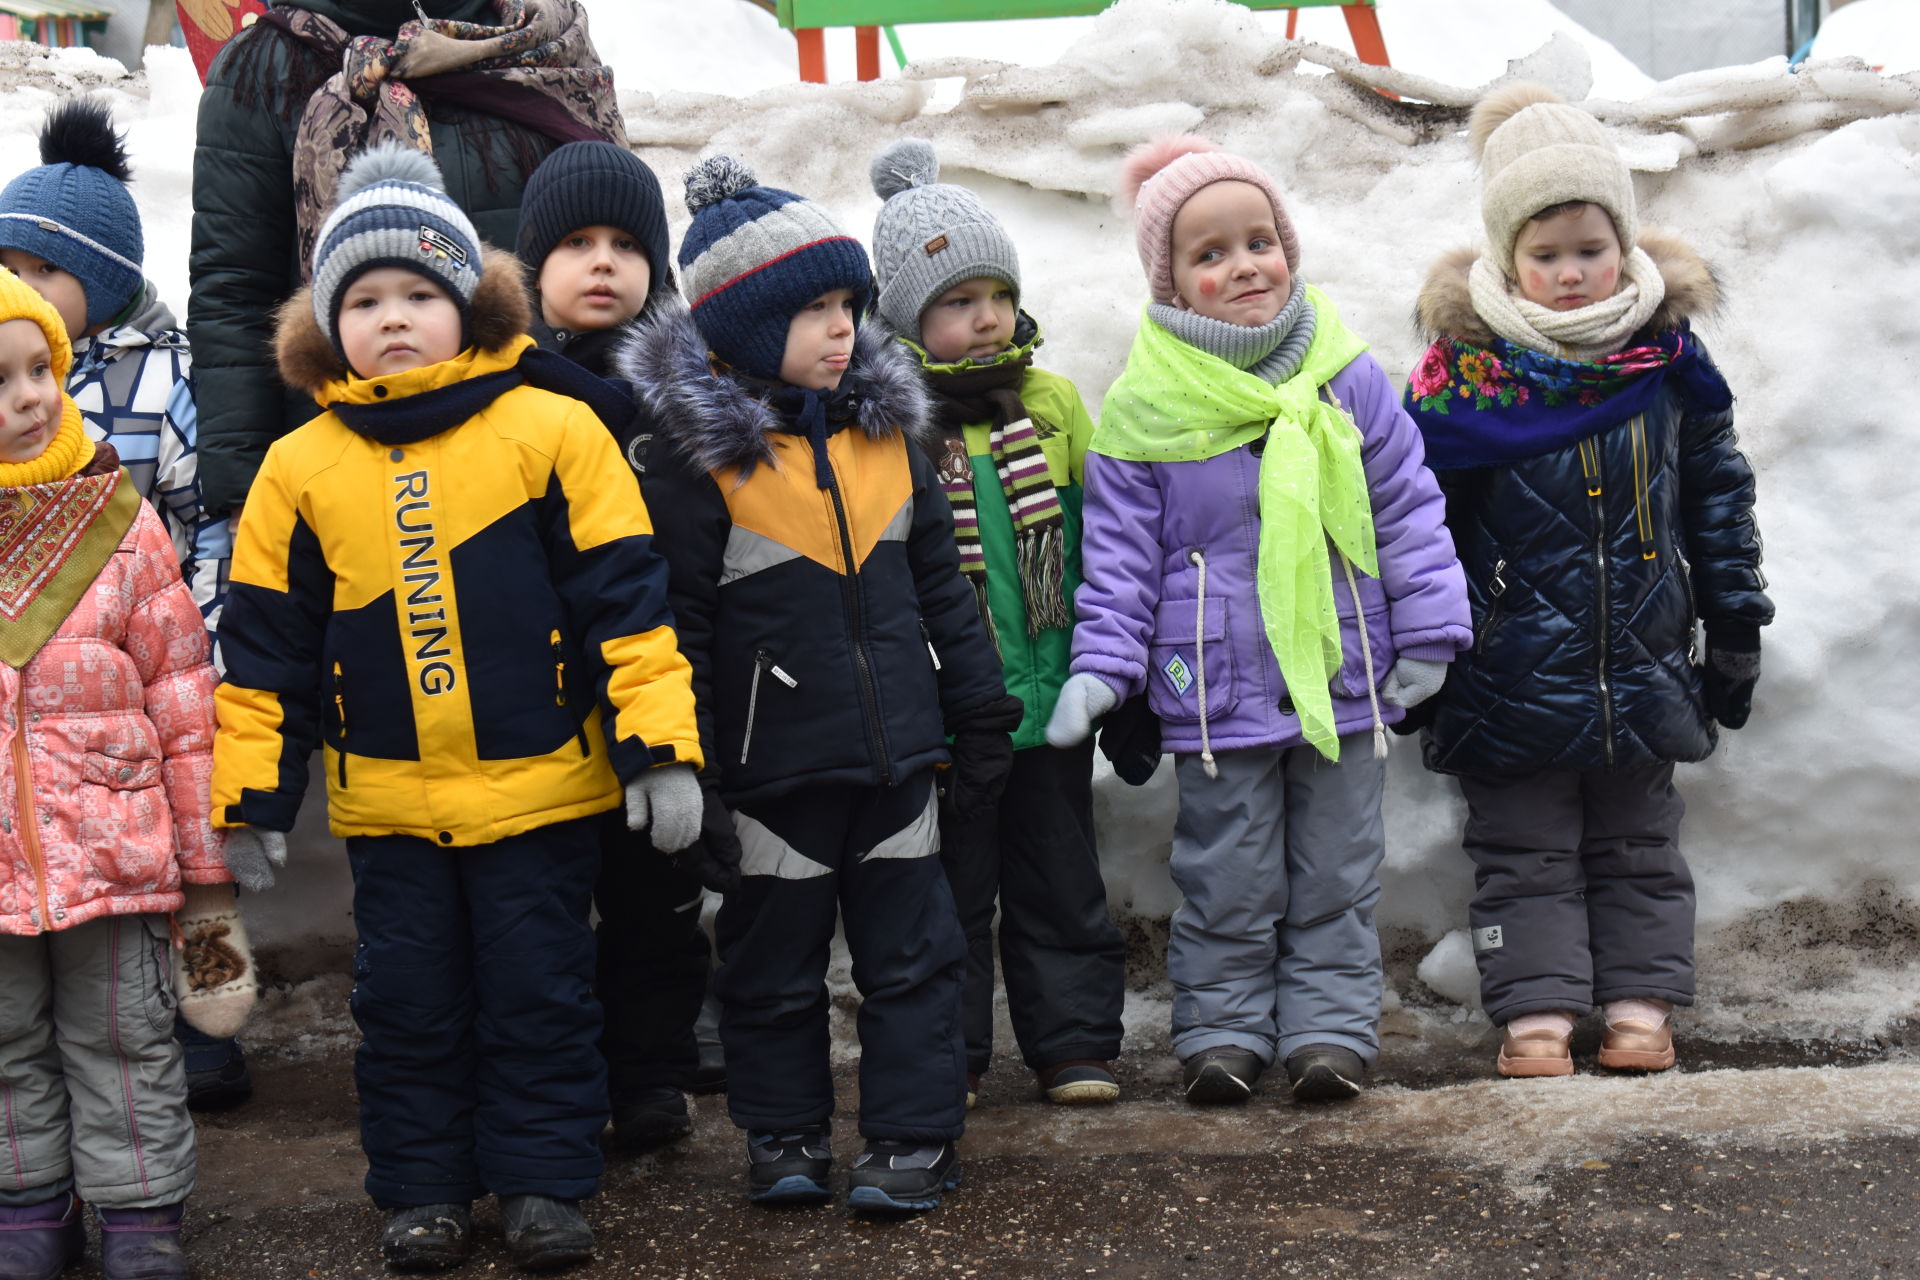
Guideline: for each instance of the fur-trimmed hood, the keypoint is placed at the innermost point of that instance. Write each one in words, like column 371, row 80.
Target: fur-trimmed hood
column 498, row 314
column 720, row 420
column 1445, row 306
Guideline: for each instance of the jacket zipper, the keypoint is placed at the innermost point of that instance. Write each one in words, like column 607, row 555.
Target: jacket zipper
column 1497, row 592
column 927, row 636
column 28, row 819
column 560, row 690
column 857, row 632
column 340, row 714
column 1602, row 596
column 760, row 659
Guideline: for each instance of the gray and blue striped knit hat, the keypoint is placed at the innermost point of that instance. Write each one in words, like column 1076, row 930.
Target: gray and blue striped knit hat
column 394, row 211
column 74, row 210
column 930, row 236
column 754, row 256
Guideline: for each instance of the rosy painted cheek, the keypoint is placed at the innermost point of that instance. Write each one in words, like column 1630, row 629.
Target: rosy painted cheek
column 1208, row 288
column 1607, row 278
column 1536, row 282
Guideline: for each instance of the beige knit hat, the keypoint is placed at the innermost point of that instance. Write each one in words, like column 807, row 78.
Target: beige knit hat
column 1535, row 152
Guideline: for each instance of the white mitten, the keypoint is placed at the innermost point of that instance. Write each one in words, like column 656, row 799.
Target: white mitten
column 1084, row 698
column 666, row 802
column 213, row 976
column 252, row 853
column 1412, row 681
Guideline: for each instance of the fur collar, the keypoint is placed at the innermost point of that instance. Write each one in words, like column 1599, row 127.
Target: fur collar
column 1445, row 307
column 718, row 420
column 499, row 315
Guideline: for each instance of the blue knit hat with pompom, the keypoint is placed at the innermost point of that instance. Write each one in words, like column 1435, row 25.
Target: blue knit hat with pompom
column 754, row 256
column 74, row 210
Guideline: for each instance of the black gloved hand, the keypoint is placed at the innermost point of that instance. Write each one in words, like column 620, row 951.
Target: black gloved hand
column 1731, row 671
column 982, row 751
column 1130, row 740
column 713, row 859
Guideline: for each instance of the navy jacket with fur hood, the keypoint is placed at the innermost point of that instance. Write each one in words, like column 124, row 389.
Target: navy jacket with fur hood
column 832, row 637
column 1585, row 646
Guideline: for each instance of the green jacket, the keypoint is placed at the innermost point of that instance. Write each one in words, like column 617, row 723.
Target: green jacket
column 1034, row 666
column 243, row 262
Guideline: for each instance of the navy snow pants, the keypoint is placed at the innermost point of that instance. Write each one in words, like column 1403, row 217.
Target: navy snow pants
column 473, row 989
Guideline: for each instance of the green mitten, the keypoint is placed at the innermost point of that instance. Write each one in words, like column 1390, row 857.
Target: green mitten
column 214, row 977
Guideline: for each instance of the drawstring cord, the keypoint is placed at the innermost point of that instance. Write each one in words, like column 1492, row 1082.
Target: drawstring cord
column 1366, row 656
column 1200, row 660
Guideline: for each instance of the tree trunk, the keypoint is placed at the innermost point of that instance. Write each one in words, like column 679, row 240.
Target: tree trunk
column 160, row 18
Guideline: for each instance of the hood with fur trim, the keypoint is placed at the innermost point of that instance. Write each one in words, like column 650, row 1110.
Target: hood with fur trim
column 1445, row 306
column 499, row 315
column 720, row 420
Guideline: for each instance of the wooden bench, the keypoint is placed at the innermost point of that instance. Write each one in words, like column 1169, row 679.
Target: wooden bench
column 57, row 23
column 807, row 19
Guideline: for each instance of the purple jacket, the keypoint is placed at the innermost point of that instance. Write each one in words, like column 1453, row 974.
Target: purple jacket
column 1139, row 605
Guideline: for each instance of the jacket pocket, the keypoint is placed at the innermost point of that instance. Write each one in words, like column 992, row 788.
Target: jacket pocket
column 151, row 936
column 1188, row 659
column 557, row 645
column 766, row 673
column 340, row 721
column 1496, row 593
column 1358, row 653
column 118, row 773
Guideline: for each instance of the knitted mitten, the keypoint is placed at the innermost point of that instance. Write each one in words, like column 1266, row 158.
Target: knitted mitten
column 214, row 978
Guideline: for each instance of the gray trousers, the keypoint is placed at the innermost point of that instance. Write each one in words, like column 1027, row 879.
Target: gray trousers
column 1274, row 947
column 1580, row 893
column 93, row 1094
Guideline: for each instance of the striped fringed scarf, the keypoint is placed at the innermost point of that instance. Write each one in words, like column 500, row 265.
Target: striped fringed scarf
column 991, row 393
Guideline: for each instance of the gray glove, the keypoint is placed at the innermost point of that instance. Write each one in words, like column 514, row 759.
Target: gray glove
column 1412, row 681
column 665, row 801
column 1084, row 698
column 252, row 853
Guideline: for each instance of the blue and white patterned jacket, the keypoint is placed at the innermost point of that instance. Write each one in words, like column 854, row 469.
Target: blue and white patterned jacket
column 134, row 387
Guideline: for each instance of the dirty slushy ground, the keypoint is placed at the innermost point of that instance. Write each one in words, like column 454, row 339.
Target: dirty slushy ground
column 1755, row 1161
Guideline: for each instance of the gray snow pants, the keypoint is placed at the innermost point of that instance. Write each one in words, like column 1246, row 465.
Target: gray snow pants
column 1580, row 893
column 1274, row 947
column 93, row 1093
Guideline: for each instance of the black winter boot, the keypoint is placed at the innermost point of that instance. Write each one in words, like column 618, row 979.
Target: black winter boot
column 789, row 1168
column 902, row 1177
column 428, row 1237
column 650, row 1119
column 545, row 1233
column 1326, row 1073
column 1220, row 1075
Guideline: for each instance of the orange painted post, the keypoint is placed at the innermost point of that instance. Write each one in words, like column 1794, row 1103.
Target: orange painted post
column 813, row 54
column 866, row 52
column 1363, row 24
column 1293, row 22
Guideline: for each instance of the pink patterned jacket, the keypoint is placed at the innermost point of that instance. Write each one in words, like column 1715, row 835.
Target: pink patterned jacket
column 106, row 750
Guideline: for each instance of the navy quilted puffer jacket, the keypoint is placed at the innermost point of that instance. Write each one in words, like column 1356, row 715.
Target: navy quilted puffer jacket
column 1587, row 569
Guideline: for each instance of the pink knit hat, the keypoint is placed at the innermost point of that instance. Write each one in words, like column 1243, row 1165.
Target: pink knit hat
column 1160, row 176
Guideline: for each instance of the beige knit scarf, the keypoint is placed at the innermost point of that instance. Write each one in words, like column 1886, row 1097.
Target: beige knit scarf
column 1584, row 334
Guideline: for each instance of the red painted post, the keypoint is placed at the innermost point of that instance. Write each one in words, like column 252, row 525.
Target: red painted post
column 813, row 54
column 1363, row 24
column 866, row 52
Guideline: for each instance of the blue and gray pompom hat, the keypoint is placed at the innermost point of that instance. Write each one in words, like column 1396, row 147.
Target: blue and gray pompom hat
column 74, row 209
column 754, row 256
column 394, row 211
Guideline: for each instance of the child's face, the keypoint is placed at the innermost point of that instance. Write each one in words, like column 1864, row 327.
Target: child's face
column 60, row 287
column 29, row 395
column 392, row 320
column 1569, row 260
column 819, row 342
column 595, row 278
column 971, row 321
column 1227, row 260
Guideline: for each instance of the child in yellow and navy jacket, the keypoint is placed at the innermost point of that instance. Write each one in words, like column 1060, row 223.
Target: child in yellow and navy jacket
column 835, row 649
column 448, row 579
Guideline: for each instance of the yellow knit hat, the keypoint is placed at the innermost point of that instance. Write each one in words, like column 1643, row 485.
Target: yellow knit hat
column 18, row 301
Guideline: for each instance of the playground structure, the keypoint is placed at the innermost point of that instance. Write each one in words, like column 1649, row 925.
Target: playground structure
column 55, row 23
column 808, row 20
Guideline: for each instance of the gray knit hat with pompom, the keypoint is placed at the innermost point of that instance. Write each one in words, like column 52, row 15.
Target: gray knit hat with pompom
column 930, row 236
column 753, row 256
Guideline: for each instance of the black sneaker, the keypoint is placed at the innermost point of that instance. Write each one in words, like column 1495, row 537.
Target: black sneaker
column 545, row 1233
column 1222, row 1075
column 1326, row 1073
column 651, row 1119
column 428, row 1237
column 902, row 1177
column 790, row 1167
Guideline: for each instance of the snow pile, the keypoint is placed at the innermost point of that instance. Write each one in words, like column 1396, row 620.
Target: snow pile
column 1886, row 33
column 1798, row 186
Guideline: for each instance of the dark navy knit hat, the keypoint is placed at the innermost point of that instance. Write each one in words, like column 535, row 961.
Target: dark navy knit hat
column 754, row 256
column 394, row 211
column 594, row 184
column 74, row 210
